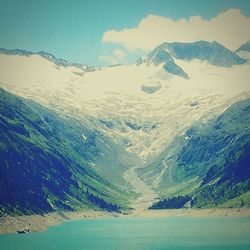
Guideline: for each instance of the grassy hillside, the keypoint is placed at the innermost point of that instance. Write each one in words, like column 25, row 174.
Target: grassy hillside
column 46, row 162
column 211, row 162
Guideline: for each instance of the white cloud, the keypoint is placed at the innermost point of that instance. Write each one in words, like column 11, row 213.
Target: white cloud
column 117, row 56
column 229, row 28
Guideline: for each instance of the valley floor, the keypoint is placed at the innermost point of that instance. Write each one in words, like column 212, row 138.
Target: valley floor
column 146, row 195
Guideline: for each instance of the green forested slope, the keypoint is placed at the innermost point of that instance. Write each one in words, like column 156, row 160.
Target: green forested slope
column 45, row 161
column 212, row 163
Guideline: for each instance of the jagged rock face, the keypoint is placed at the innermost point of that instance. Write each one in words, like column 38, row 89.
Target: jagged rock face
column 244, row 47
column 213, row 53
column 244, row 51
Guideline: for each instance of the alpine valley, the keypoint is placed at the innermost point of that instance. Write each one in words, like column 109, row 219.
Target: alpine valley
column 171, row 130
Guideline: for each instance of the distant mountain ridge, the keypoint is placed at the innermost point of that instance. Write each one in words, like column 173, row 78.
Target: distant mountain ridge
column 212, row 52
column 49, row 57
column 244, row 47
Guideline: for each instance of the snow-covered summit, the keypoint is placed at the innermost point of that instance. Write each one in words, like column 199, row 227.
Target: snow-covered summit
column 213, row 53
column 141, row 106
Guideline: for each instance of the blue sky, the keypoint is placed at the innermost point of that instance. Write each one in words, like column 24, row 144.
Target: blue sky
column 74, row 30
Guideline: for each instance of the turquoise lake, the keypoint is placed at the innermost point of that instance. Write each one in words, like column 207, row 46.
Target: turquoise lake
column 138, row 233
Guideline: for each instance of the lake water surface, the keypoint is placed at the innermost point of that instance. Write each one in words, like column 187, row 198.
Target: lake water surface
column 138, row 233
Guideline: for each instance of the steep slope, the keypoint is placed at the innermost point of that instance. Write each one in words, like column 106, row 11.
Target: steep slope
column 168, row 53
column 212, row 52
column 244, row 47
column 160, row 56
column 46, row 161
column 211, row 160
column 244, row 51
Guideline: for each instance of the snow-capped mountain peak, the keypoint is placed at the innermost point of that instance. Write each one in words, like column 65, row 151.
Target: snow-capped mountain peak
column 141, row 106
column 213, row 53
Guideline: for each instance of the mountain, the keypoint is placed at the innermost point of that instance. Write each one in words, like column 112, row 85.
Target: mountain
column 213, row 159
column 160, row 56
column 48, row 56
column 244, row 51
column 126, row 125
column 244, row 47
column 211, row 52
column 46, row 162
column 113, row 100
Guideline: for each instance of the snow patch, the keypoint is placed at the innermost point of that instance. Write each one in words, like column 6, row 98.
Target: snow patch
column 84, row 137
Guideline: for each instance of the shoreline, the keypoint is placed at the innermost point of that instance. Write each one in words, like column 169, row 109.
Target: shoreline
column 195, row 212
column 38, row 223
